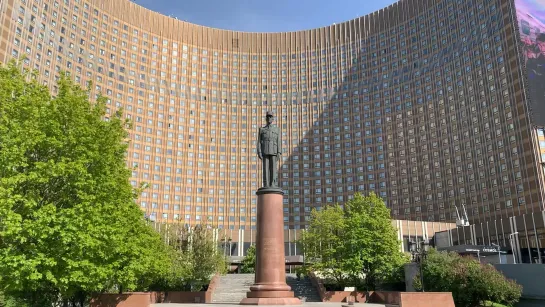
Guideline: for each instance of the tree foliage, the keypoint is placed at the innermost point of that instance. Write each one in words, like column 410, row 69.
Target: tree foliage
column 248, row 263
column 354, row 244
column 69, row 224
column 470, row 282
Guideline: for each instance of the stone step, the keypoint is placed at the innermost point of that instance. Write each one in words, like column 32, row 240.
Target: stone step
column 303, row 288
column 232, row 288
column 225, row 283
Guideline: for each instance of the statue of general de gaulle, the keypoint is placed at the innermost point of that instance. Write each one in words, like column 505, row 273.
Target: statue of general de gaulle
column 269, row 149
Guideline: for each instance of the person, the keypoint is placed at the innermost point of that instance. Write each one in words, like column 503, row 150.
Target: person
column 269, row 150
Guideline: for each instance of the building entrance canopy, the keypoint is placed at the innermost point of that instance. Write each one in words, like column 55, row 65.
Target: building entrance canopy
column 483, row 250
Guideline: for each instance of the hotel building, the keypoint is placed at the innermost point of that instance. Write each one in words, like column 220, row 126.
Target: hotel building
column 424, row 102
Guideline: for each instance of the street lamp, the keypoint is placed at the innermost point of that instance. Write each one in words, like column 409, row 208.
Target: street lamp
column 224, row 242
column 419, row 250
column 230, row 249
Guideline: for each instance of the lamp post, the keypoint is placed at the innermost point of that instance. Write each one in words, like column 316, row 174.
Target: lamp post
column 224, row 241
column 419, row 251
column 230, row 249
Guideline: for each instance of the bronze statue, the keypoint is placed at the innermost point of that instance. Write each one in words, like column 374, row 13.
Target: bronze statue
column 269, row 150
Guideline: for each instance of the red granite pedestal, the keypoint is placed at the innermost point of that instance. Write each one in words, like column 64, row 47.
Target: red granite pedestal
column 270, row 286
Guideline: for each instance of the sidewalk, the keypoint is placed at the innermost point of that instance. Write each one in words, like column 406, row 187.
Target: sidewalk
column 233, row 305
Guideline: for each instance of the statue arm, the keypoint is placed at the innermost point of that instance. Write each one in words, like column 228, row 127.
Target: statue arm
column 279, row 143
column 259, row 143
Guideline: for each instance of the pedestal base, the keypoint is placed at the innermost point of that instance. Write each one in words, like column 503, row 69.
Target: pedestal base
column 273, row 297
column 270, row 301
column 269, row 294
column 276, row 287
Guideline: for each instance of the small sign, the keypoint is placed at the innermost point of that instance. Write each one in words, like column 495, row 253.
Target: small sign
column 485, row 249
column 488, row 249
column 351, row 289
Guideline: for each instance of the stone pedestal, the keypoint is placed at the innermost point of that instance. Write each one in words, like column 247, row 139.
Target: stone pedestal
column 270, row 286
column 411, row 272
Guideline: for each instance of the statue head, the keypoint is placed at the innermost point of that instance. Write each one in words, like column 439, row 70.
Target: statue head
column 269, row 117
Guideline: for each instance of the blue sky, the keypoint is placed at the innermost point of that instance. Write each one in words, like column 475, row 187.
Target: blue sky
column 265, row 16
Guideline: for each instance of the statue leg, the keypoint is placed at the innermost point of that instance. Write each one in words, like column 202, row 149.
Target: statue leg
column 274, row 170
column 270, row 182
column 265, row 169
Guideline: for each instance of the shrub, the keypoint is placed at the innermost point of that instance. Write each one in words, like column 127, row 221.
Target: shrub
column 248, row 263
column 470, row 282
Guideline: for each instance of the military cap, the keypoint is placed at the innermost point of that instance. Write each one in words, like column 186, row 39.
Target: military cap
column 270, row 113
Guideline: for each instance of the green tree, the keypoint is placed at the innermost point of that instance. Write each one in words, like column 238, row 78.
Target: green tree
column 8, row 301
column 248, row 263
column 355, row 243
column 205, row 256
column 371, row 244
column 69, row 224
column 324, row 245
column 196, row 258
column 470, row 282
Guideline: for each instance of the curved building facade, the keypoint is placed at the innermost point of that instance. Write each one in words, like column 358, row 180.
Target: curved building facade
column 423, row 102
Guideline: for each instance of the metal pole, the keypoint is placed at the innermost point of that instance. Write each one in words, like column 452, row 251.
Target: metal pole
column 419, row 255
column 421, row 273
column 512, row 248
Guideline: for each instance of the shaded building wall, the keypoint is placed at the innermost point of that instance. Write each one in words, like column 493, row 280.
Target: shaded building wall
column 530, row 276
column 523, row 235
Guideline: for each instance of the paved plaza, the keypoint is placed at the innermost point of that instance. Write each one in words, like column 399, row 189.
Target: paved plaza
column 233, row 305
